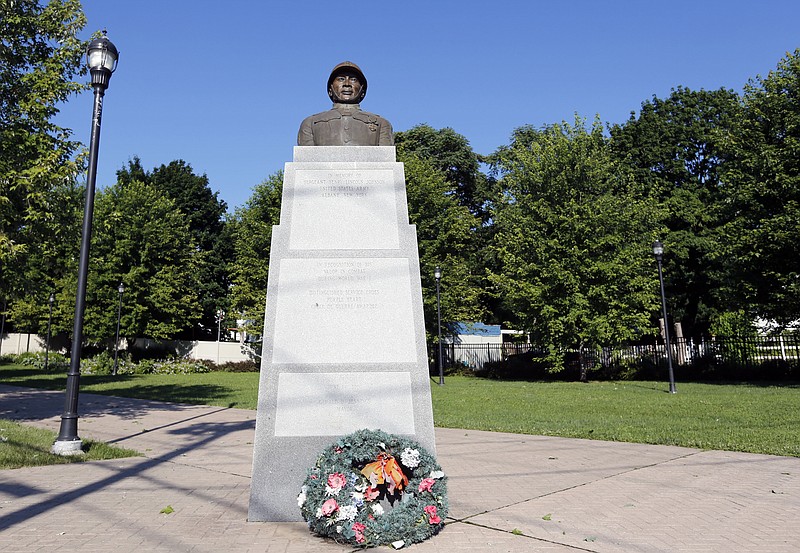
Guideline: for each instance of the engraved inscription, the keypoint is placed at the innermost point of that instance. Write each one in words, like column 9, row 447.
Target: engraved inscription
column 344, row 310
column 352, row 209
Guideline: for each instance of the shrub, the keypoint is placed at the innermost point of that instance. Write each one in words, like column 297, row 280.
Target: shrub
column 100, row 364
column 172, row 366
column 248, row 366
column 55, row 361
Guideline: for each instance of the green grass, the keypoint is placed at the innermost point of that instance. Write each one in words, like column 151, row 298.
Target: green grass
column 224, row 389
column 755, row 418
column 750, row 417
column 26, row 446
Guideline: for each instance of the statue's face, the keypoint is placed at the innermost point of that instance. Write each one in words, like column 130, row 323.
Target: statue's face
column 346, row 86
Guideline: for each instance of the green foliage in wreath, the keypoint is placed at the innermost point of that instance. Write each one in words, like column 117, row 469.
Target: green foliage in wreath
column 371, row 488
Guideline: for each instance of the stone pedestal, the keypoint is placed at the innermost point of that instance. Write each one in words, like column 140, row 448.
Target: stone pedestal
column 344, row 336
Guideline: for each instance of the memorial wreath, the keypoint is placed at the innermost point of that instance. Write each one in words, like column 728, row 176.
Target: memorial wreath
column 371, row 488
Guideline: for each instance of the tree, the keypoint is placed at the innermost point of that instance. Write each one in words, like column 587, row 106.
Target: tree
column 140, row 239
column 40, row 56
column 445, row 238
column 451, row 154
column 205, row 215
column 676, row 147
column 761, row 239
column 252, row 234
column 572, row 241
column 47, row 261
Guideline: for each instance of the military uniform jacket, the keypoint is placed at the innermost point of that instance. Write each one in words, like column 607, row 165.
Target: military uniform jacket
column 345, row 125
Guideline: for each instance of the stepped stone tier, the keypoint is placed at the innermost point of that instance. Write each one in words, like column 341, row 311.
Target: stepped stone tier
column 344, row 335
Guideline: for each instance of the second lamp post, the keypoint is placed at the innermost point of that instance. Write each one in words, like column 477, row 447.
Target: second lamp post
column 121, row 290
column 437, row 274
column 50, row 302
column 658, row 253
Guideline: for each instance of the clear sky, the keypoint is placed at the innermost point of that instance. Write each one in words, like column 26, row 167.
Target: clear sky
column 224, row 85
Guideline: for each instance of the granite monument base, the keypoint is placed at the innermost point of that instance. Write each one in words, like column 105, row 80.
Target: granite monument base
column 344, row 335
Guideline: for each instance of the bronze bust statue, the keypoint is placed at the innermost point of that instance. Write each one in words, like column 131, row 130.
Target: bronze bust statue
column 346, row 124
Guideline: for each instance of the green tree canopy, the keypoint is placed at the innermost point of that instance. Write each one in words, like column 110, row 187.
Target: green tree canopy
column 573, row 237
column 451, row 154
column 676, row 148
column 40, row 57
column 205, row 214
column 445, row 238
column 140, row 239
column 252, row 236
column 760, row 242
column 46, row 263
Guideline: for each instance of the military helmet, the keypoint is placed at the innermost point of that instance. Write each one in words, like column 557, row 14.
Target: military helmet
column 351, row 67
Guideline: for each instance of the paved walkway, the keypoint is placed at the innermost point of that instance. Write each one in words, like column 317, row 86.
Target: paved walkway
column 508, row 492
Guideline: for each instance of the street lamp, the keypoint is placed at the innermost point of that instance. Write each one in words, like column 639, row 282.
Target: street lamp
column 658, row 253
column 121, row 290
column 50, row 301
column 101, row 58
column 3, row 325
column 220, row 316
column 437, row 274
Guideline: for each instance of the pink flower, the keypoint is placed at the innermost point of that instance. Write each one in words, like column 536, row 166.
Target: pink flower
column 359, row 528
column 371, row 494
column 426, row 485
column 430, row 510
column 330, row 506
column 337, row 481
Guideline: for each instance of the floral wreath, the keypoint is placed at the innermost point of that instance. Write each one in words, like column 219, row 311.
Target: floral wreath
column 341, row 496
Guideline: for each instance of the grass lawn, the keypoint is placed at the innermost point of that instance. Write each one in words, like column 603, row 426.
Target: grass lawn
column 751, row 417
column 26, row 446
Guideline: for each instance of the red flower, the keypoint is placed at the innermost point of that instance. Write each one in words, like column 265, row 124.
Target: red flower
column 330, row 507
column 337, row 481
column 433, row 518
column 359, row 528
column 426, row 485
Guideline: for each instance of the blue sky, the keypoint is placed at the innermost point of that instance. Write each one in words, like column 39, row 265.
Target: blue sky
column 224, row 85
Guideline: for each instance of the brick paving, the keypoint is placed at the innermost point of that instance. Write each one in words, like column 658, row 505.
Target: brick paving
column 508, row 492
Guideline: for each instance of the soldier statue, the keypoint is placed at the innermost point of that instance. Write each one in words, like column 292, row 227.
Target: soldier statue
column 346, row 124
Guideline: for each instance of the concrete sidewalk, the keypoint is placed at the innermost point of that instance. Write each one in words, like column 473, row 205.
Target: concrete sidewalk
column 507, row 492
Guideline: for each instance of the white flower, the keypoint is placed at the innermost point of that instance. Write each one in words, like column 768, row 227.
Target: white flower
column 332, row 491
column 318, row 514
column 410, row 457
column 339, row 529
column 358, row 498
column 347, row 512
column 377, row 509
column 301, row 499
column 436, row 474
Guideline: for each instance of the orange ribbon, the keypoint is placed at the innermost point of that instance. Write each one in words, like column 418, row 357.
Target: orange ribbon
column 385, row 470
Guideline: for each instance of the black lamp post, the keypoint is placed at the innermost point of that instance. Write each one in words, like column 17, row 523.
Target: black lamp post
column 121, row 290
column 50, row 301
column 3, row 325
column 658, row 252
column 437, row 274
column 220, row 316
column 101, row 57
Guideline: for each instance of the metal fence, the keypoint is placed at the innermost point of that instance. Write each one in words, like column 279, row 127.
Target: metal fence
column 742, row 352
